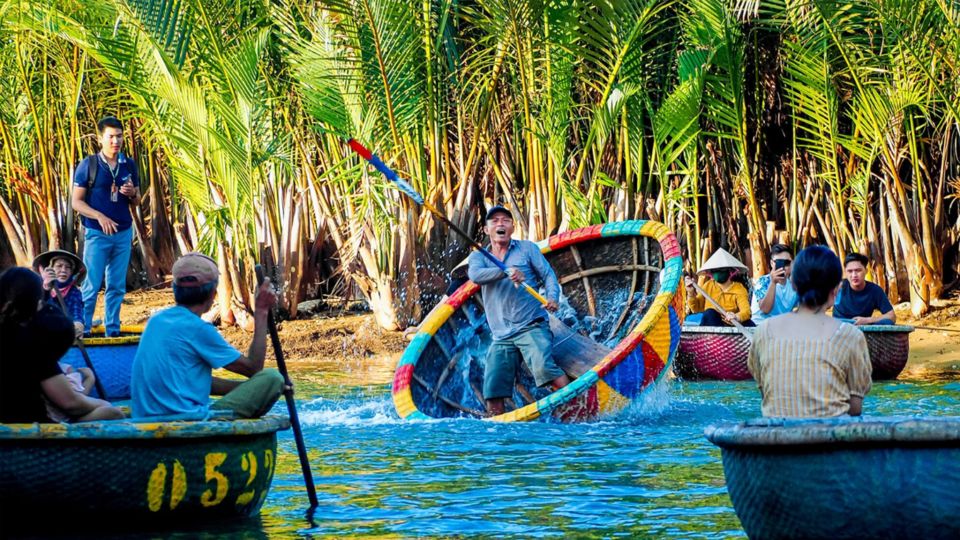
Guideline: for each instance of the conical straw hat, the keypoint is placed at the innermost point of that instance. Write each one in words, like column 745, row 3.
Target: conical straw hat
column 722, row 258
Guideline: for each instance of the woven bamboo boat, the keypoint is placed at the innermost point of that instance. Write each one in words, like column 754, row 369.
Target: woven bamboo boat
column 171, row 471
column 621, row 281
column 844, row 477
column 112, row 359
column 720, row 353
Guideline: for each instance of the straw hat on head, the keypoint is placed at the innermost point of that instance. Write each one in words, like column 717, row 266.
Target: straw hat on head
column 722, row 258
column 46, row 257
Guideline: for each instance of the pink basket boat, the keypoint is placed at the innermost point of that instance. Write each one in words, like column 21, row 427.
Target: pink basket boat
column 720, row 352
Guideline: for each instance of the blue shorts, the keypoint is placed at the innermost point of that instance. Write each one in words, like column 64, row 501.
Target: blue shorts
column 535, row 345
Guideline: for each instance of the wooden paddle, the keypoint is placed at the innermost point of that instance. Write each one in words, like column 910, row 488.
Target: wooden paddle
column 719, row 308
column 408, row 190
column 291, row 404
column 83, row 350
column 578, row 344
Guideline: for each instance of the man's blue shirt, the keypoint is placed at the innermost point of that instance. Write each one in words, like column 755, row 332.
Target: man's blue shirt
column 510, row 309
column 98, row 196
column 172, row 371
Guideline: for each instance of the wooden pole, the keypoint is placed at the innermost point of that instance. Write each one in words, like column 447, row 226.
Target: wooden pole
column 79, row 342
column 291, row 404
column 722, row 311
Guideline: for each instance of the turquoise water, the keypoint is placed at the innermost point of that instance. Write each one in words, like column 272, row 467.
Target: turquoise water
column 646, row 473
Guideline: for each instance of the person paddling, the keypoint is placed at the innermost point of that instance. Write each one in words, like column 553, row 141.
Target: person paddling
column 519, row 323
column 722, row 286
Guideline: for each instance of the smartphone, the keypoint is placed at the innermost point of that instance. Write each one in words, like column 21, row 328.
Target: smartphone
column 780, row 263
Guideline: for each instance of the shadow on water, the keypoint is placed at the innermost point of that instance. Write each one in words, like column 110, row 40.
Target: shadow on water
column 648, row 472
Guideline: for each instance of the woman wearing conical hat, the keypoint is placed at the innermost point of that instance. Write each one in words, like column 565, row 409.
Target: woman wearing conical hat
column 717, row 280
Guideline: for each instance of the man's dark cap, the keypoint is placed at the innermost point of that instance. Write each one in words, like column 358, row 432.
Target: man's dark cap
column 496, row 210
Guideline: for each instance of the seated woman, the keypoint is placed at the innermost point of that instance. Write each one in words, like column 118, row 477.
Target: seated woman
column 724, row 289
column 808, row 364
column 33, row 337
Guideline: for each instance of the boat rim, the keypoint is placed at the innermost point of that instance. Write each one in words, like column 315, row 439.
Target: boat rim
column 872, row 328
column 844, row 430
column 127, row 429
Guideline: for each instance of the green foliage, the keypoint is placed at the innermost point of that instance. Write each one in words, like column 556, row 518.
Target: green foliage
column 716, row 116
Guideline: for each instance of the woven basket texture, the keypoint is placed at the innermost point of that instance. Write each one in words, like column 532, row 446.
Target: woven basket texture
column 712, row 356
column 722, row 355
column 163, row 478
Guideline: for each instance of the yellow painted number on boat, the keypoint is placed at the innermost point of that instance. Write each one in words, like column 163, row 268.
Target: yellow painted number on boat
column 156, row 486
column 268, row 461
column 179, row 487
column 214, row 497
column 158, row 478
column 249, row 464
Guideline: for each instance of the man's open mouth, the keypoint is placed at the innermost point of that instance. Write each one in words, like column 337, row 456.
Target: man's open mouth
column 501, row 231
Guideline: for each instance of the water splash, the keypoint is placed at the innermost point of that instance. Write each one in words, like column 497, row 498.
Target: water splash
column 368, row 412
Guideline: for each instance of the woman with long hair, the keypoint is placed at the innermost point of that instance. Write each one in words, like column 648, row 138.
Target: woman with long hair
column 33, row 337
column 808, row 364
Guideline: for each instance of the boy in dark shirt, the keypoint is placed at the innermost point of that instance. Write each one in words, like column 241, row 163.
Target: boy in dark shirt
column 859, row 298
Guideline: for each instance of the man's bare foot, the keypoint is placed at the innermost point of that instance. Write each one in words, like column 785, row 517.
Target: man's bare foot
column 495, row 406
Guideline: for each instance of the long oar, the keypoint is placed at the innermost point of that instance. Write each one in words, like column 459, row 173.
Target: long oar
column 291, row 405
column 927, row 328
column 719, row 308
column 935, row 329
column 408, row 190
column 83, row 350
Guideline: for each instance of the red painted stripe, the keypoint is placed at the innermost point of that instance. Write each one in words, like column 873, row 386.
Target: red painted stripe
column 462, row 294
column 360, row 149
column 652, row 364
column 670, row 247
column 574, row 237
column 401, row 379
column 583, row 407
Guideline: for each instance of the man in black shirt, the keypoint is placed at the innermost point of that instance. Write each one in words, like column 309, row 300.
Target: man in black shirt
column 859, row 298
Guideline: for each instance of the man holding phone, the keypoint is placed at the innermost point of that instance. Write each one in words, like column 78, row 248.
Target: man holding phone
column 774, row 293
column 105, row 186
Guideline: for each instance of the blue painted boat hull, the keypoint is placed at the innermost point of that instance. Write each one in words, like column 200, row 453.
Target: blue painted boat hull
column 844, row 478
column 112, row 360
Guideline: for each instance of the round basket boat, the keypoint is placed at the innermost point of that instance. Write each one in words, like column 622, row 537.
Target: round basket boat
column 720, row 352
column 175, row 471
column 713, row 353
column 112, row 359
column 844, row 478
column 621, row 281
column 889, row 346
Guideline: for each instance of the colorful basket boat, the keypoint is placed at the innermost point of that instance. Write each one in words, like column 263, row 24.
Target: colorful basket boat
column 622, row 284
column 171, row 471
column 843, row 478
column 720, row 353
column 112, row 359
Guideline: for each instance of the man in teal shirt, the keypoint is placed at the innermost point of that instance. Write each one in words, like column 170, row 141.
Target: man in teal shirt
column 172, row 371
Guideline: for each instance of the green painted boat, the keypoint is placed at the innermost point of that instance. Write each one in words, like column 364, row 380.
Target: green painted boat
column 165, row 471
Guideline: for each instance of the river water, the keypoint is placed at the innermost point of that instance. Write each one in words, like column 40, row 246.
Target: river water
column 648, row 472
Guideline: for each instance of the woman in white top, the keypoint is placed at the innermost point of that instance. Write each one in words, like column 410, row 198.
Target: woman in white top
column 808, row 364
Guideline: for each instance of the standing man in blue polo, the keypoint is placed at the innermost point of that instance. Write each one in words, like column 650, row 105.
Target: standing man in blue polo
column 105, row 185
column 518, row 322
